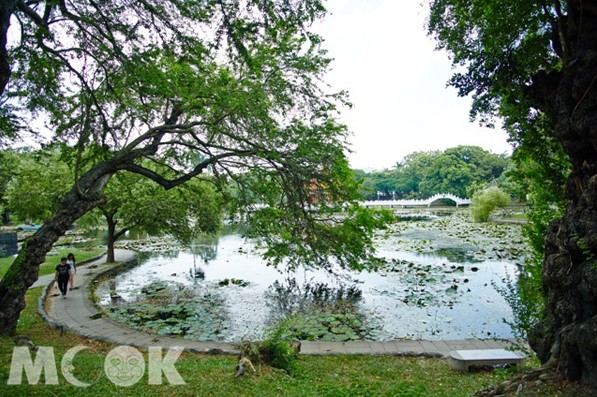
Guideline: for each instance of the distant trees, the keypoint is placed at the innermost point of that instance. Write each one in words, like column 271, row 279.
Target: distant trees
column 423, row 174
column 8, row 162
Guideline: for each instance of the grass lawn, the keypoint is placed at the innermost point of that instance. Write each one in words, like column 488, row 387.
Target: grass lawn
column 207, row 375
column 52, row 260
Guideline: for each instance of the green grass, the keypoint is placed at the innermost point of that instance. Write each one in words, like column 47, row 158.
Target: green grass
column 204, row 375
column 52, row 260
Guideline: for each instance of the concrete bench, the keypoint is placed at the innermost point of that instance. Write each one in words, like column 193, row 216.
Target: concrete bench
column 461, row 360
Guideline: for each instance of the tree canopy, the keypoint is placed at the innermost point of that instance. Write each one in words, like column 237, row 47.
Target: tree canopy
column 216, row 89
column 205, row 90
column 38, row 184
column 134, row 202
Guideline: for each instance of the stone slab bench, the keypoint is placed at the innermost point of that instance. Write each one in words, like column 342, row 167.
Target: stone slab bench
column 461, row 360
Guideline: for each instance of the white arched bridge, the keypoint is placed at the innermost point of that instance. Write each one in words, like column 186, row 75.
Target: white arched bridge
column 417, row 203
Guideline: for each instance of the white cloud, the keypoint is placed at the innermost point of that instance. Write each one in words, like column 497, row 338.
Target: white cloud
column 397, row 83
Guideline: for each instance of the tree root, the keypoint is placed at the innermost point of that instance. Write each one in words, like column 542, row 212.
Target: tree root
column 537, row 382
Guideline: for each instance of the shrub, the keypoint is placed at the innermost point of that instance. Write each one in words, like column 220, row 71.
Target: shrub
column 485, row 201
column 278, row 350
column 279, row 354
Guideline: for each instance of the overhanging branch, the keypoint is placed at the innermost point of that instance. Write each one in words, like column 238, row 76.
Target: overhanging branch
column 169, row 184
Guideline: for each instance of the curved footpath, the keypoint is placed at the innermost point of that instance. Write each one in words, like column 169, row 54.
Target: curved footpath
column 78, row 314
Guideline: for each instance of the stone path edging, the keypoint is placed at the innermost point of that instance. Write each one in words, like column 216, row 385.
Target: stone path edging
column 78, row 314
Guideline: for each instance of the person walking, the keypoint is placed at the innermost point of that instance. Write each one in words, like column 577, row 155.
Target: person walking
column 62, row 276
column 70, row 259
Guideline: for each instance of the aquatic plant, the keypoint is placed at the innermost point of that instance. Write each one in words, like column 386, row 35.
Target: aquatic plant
column 170, row 309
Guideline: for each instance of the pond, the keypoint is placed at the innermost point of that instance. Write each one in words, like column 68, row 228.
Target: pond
column 438, row 283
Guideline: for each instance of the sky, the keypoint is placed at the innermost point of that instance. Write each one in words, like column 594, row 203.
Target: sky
column 397, row 84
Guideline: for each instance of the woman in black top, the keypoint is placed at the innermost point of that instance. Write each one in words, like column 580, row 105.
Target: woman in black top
column 63, row 274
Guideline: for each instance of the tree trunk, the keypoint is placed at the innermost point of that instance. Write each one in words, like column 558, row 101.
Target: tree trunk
column 7, row 7
column 82, row 198
column 567, row 337
column 24, row 270
column 113, row 236
column 111, row 239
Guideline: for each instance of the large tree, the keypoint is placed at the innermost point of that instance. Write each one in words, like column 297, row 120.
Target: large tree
column 534, row 63
column 457, row 169
column 135, row 202
column 42, row 177
column 209, row 90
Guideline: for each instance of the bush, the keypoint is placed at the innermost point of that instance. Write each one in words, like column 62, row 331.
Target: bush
column 279, row 354
column 277, row 350
column 485, row 201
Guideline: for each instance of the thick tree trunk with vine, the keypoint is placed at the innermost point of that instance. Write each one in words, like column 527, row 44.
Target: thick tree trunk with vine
column 567, row 337
column 24, row 270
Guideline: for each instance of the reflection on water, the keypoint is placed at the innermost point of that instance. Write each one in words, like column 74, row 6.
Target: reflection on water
column 289, row 297
column 447, row 295
column 455, row 254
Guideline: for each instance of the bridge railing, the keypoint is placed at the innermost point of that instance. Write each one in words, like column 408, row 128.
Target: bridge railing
column 417, row 202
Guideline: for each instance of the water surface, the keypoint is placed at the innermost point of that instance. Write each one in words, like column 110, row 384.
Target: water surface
column 444, row 291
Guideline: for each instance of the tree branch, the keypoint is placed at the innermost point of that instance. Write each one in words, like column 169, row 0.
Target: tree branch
column 39, row 21
column 67, row 13
column 561, row 29
column 89, row 90
column 7, row 8
column 199, row 168
column 119, row 234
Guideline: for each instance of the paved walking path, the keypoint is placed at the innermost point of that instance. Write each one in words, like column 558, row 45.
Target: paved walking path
column 77, row 314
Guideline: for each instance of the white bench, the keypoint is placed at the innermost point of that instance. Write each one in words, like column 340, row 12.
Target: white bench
column 461, row 360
